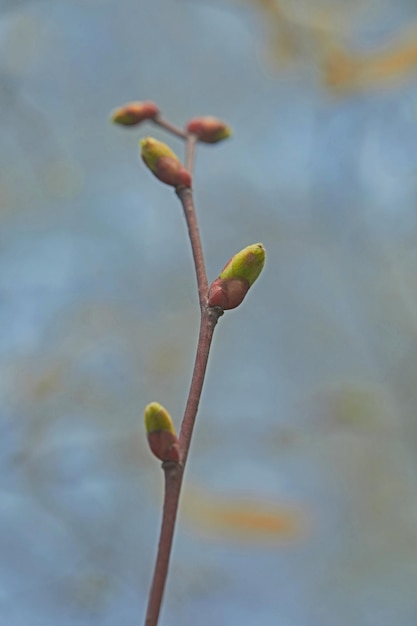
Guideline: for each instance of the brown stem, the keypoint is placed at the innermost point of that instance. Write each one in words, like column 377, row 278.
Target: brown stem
column 173, row 479
column 190, row 152
column 171, row 128
column 185, row 194
column 209, row 319
column 174, row 472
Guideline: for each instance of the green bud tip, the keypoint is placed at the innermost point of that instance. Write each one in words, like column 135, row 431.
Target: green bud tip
column 160, row 431
column 152, row 150
column 164, row 163
column 158, row 418
column 246, row 264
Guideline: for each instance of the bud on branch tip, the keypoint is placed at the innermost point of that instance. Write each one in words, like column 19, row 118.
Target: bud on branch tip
column 160, row 431
column 164, row 163
column 134, row 113
column 237, row 276
column 208, row 129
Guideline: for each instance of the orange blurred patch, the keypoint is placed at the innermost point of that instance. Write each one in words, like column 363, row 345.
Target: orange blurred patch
column 345, row 71
column 248, row 519
column 317, row 34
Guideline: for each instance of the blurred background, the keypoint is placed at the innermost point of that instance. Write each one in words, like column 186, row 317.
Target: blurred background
column 300, row 502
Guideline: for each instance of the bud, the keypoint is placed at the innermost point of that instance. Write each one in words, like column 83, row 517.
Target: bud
column 246, row 264
column 208, row 129
column 164, row 163
column 160, row 431
column 237, row 276
column 133, row 113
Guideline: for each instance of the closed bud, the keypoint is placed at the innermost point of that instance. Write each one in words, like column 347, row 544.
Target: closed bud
column 236, row 278
column 164, row 163
column 208, row 129
column 133, row 113
column 160, row 432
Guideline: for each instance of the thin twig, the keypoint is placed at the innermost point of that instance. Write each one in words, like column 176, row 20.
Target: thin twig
column 173, row 479
column 190, row 152
column 171, row 128
column 174, row 472
column 185, row 194
column 209, row 319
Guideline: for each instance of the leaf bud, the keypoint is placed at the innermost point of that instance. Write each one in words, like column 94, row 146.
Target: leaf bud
column 236, row 278
column 133, row 113
column 164, row 163
column 208, row 129
column 161, row 434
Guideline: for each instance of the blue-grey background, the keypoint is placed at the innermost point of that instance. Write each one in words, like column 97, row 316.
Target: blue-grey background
column 309, row 408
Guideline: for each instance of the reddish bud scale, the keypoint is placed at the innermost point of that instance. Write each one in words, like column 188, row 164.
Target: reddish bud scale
column 164, row 445
column 134, row 113
column 208, row 129
column 171, row 172
column 227, row 293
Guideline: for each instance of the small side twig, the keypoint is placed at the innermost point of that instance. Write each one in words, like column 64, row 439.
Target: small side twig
column 171, row 128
